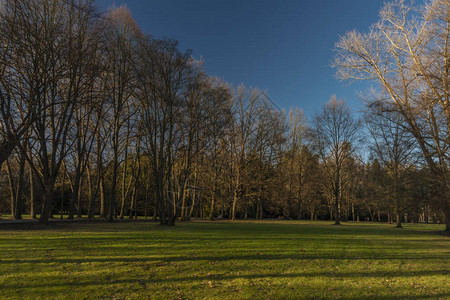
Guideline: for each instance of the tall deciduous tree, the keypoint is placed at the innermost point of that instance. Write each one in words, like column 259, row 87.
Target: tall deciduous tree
column 335, row 134
column 121, row 35
column 394, row 147
column 243, row 143
column 55, row 47
column 163, row 77
column 407, row 54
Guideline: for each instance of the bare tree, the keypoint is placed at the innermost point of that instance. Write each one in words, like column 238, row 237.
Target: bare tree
column 163, row 74
column 335, row 134
column 54, row 37
column 218, row 125
column 407, row 54
column 394, row 147
column 294, row 165
column 16, row 182
column 81, row 135
column 121, row 36
column 246, row 113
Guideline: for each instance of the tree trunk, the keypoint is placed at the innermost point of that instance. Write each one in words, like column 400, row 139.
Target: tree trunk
column 79, row 211
column 287, row 207
column 47, row 201
column 112, row 199
column 184, row 193
column 336, row 207
column 133, row 199
column 213, row 200
column 233, row 211
column 74, row 185
column 122, row 206
column 32, row 195
column 16, row 188
column 261, row 207
column 353, row 212
column 235, row 194
column 20, row 185
column 161, row 201
column 135, row 208
column 62, row 194
column 191, row 211
column 397, row 198
column 155, row 213
column 102, row 198
column 11, row 188
column 447, row 219
column 300, row 211
column 398, row 221
column 146, row 200
column 90, row 196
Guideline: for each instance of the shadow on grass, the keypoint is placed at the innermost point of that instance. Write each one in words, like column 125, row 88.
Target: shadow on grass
column 95, row 280
column 147, row 237
column 239, row 227
column 404, row 296
column 218, row 258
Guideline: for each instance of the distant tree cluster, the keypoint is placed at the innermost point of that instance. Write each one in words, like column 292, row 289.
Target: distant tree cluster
column 98, row 118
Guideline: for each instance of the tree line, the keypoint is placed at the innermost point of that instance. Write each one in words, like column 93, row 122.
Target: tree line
column 98, row 118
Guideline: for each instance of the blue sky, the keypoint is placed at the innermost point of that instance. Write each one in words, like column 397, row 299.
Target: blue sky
column 283, row 46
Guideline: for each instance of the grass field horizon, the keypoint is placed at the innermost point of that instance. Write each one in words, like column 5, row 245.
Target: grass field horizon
column 268, row 259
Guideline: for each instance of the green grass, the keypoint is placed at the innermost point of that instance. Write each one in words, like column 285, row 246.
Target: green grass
column 225, row 260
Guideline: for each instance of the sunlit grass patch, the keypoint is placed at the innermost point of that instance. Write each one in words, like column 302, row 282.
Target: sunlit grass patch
column 225, row 260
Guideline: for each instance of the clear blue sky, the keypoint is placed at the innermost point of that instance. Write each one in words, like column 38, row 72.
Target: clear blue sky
column 283, row 46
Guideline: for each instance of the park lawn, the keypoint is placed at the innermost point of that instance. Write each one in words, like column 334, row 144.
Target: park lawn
column 225, row 260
